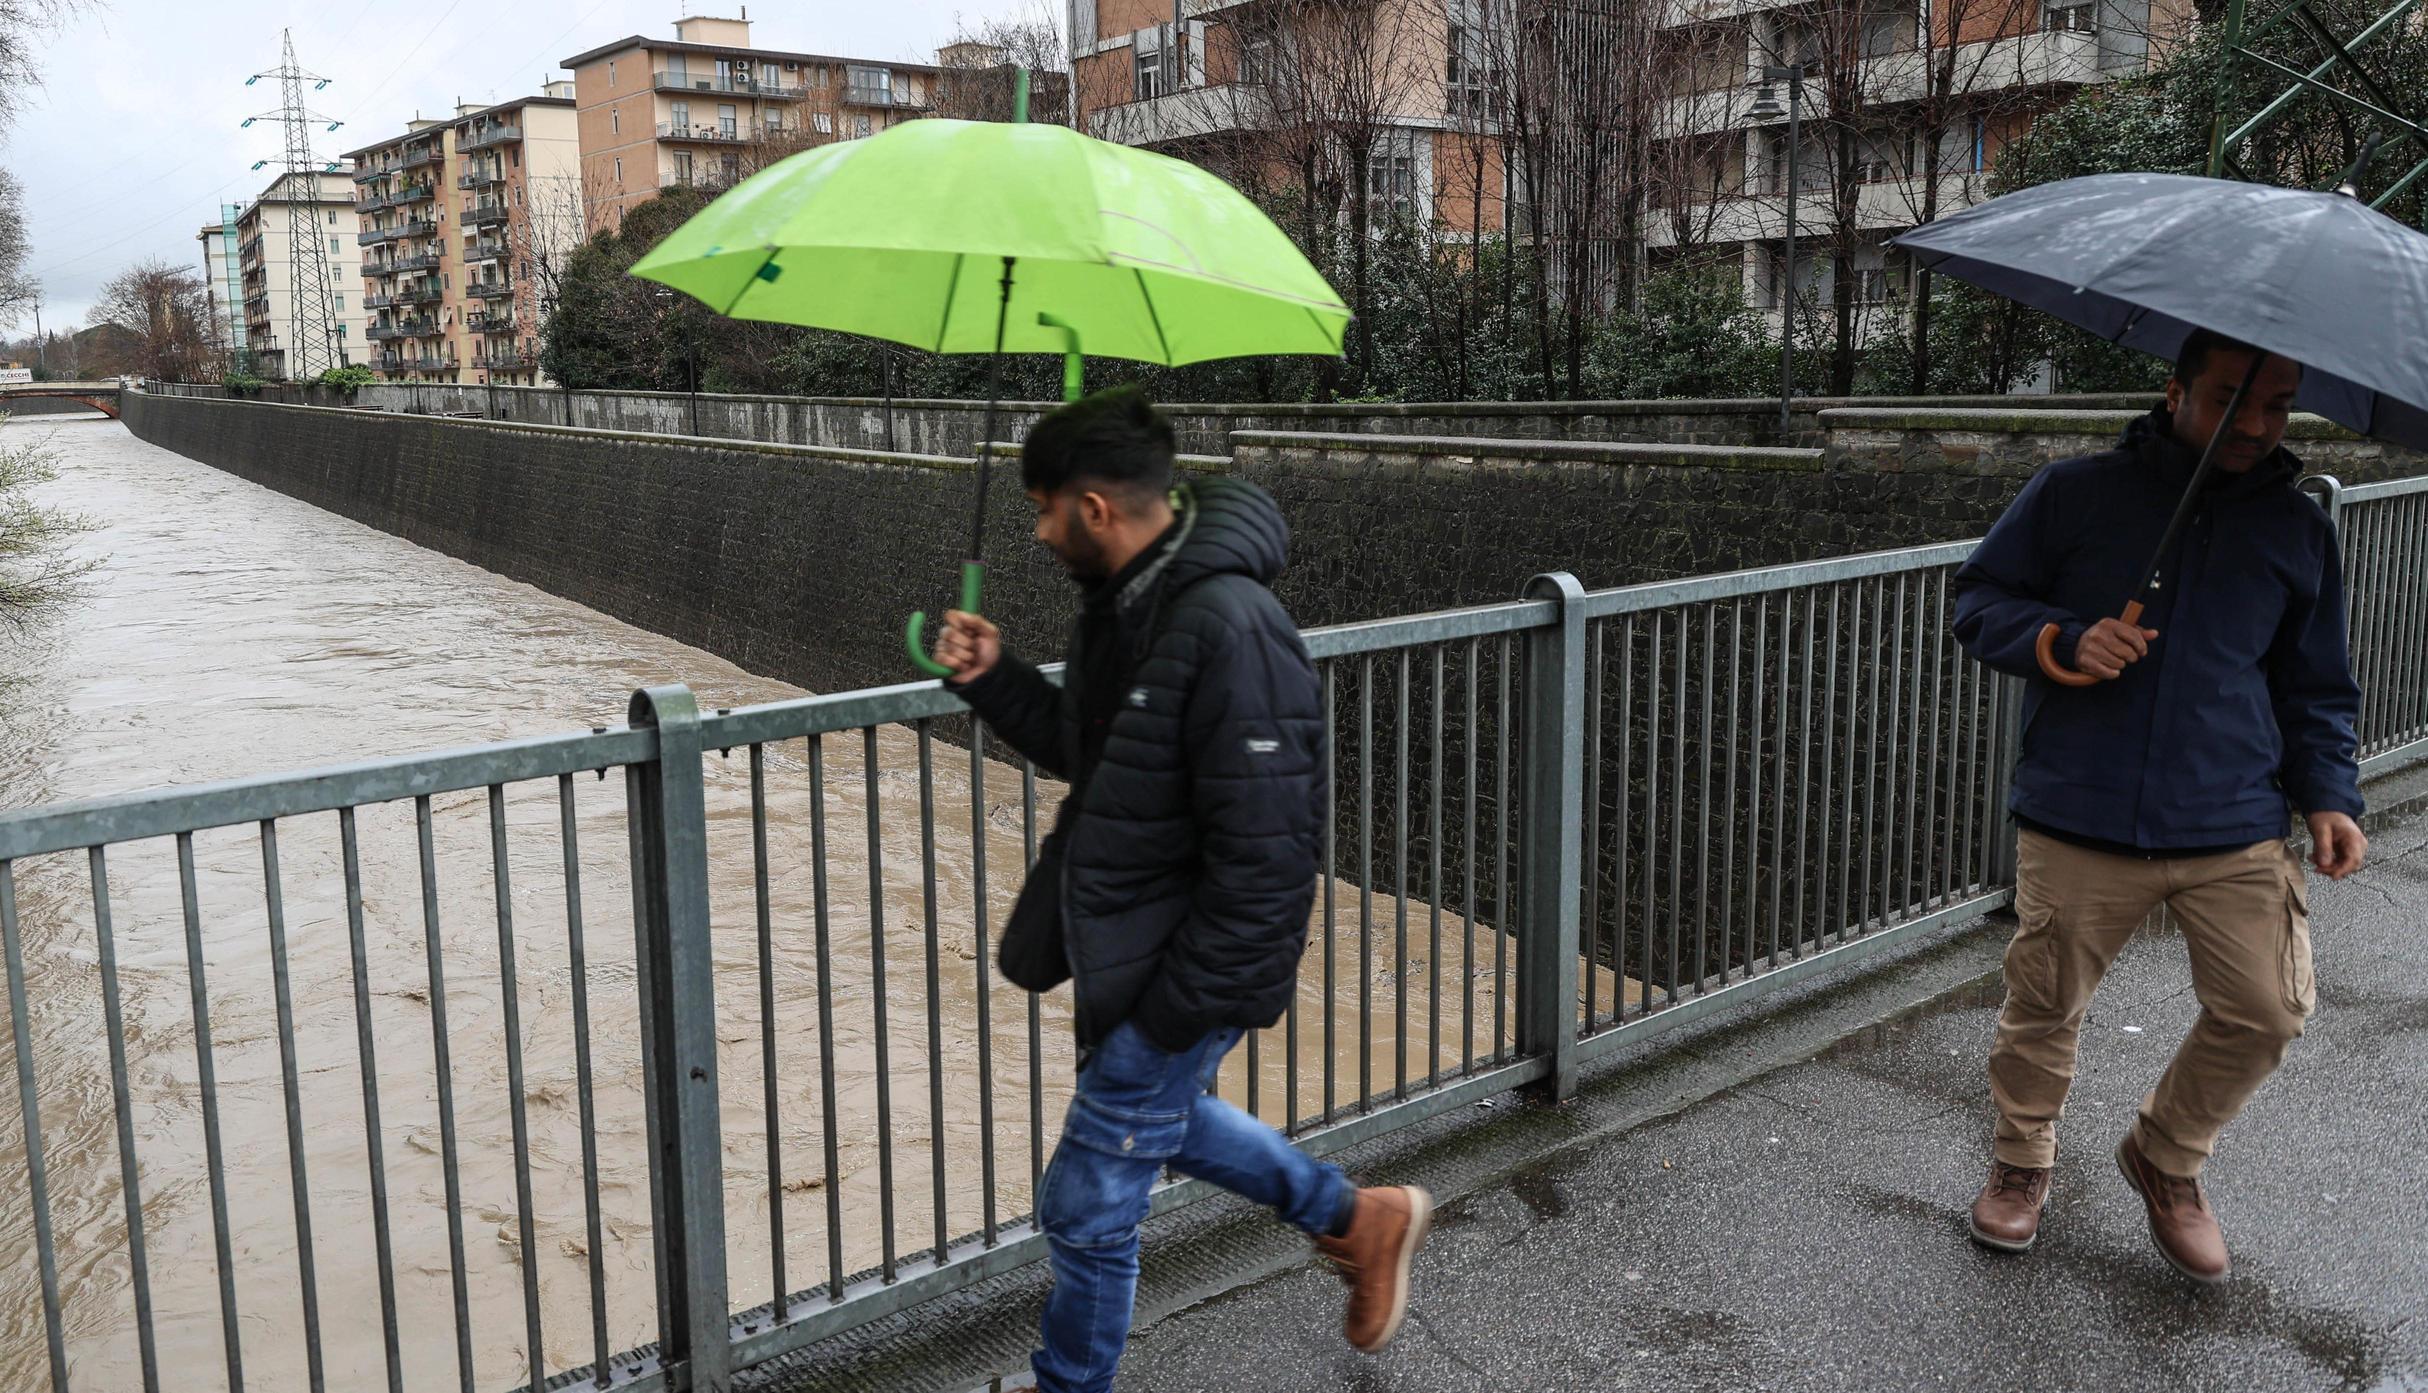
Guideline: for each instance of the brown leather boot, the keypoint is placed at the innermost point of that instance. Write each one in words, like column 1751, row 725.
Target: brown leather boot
column 2006, row 1215
column 2181, row 1223
column 1385, row 1230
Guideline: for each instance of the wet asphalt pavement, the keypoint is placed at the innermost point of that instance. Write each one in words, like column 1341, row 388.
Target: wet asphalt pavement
column 1805, row 1231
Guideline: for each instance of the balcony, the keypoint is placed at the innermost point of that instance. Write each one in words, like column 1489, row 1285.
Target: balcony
column 487, row 136
column 398, row 362
column 418, row 227
column 479, row 252
column 490, row 290
column 421, row 327
column 428, row 261
column 410, row 193
column 481, row 179
column 716, row 132
column 741, row 84
column 1182, row 115
column 416, row 295
column 416, row 159
column 897, row 98
column 485, row 213
column 490, row 321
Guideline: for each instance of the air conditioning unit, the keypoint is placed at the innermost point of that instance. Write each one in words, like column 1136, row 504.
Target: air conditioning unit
column 792, row 67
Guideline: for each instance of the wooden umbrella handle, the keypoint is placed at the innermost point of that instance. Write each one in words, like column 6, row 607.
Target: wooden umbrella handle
column 2059, row 673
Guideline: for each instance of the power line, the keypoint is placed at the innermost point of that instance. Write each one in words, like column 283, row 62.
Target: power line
column 182, row 210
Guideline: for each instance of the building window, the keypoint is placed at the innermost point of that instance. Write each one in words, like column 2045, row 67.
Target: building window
column 1146, row 49
column 682, row 117
column 337, row 246
column 817, row 78
column 615, row 120
column 2069, row 19
column 619, row 169
column 823, row 122
column 611, row 72
column 725, row 120
column 730, row 166
column 340, row 304
column 682, row 166
column 1391, row 177
column 869, row 86
column 341, row 329
column 768, row 76
column 332, row 217
column 859, row 127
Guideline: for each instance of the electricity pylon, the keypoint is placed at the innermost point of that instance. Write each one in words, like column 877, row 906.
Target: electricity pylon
column 312, row 281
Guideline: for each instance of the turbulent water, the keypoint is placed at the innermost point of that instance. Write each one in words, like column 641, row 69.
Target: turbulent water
column 229, row 631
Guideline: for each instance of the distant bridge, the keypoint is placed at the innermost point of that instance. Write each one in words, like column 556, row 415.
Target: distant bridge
column 101, row 396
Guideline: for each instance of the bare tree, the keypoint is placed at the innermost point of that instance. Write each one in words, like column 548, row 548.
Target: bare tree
column 976, row 84
column 164, row 309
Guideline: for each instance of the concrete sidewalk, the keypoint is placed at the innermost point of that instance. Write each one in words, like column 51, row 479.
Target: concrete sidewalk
column 1805, row 1230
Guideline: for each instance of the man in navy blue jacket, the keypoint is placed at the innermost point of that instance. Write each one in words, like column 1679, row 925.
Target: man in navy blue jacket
column 2167, row 781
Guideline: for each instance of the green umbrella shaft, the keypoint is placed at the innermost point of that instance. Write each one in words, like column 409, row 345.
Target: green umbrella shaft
column 986, row 431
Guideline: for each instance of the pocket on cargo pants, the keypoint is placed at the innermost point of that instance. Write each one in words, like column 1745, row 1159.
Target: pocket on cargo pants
column 2297, row 970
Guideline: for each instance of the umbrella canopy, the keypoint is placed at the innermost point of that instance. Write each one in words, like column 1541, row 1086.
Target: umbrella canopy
column 2143, row 259
column 903, row 236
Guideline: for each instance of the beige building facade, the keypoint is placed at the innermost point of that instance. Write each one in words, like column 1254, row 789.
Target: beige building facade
column 266, row 326
column 463, row 221
column 706, row 108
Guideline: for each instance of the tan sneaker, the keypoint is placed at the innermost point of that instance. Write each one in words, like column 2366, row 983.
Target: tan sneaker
column 2181, row 1224
column 2006, row 1215
column 1385, row 1230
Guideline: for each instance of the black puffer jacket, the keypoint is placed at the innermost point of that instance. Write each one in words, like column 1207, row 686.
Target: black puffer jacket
column 1190, row 858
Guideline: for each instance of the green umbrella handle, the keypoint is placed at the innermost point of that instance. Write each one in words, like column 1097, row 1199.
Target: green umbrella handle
column 1074, row 367
column 973, row 578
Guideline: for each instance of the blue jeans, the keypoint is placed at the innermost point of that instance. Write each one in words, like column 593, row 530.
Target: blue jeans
column 1137, row 1110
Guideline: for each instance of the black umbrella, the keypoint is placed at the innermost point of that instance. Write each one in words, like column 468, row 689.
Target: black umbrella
column 2145, row 259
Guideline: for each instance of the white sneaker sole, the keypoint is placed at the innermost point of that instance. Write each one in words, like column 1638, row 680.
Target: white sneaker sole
column 1420, row 1222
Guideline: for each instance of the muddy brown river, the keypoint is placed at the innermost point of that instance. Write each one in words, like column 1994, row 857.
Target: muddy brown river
column 230, row 631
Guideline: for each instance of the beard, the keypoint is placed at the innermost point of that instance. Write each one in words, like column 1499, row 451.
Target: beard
column 1082, row 556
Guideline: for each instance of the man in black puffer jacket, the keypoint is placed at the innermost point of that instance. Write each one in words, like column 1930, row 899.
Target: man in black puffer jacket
column 1175, row 888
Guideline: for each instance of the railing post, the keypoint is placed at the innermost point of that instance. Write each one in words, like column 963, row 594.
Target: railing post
column 1553, row 761
column 669, row 827
column 2329, row 492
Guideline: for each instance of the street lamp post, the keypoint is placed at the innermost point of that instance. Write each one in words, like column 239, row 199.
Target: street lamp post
column 1766, row 108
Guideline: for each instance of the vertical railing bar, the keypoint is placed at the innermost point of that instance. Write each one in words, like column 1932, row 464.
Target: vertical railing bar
column 1399, row 885
column 441, row 1051
column 29, row 1107
column 1474, row 736
column 2415, row 627
column 1589, row 939
column 1711, row 644
column 1853, row 721
column 1365, row 883
column 877, row 1004
column 821, row 922
column 1804, row 772
column 1677, row 810
column 508, row 998
column 1331, row 880
column 122, row 1107
column 1652, row 807
column 1778, row 824
column 1753, row 796
column 206, row 1085
column 283, row 1004
column 1882, row 822
column 1624, row 713
column 1874, row 670
column 1028, row 850
column 932, row 929
column 1500, row 843
column 577, row 969
column 769, row 1104
column 1943, row 820
column 986, row 1014
column 1728, row 806
column 1916, row 812
column 1433, row 840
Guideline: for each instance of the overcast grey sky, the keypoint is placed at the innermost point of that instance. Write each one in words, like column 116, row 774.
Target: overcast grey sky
column 134, row 140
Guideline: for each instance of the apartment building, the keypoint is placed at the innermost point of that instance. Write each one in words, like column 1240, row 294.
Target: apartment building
column 706, row 108
column 456, row 216
column 1242, row 86
column 264, row 325
column 223, row 279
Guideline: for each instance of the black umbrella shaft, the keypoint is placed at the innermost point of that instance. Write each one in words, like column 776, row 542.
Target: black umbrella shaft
column 2200, row 481
column 986, row 432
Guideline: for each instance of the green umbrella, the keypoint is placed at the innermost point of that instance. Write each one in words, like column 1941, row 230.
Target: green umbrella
column 984, row 237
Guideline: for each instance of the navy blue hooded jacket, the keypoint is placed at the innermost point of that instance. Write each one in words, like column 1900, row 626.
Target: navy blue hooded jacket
column 1190, row 856
column 2246, row 700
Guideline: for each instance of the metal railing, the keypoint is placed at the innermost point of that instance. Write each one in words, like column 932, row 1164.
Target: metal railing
column 483, row 137
column 742, row 83
column 1558, row 823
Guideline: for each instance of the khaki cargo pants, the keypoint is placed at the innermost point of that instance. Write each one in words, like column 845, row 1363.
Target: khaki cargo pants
column 2246, row 923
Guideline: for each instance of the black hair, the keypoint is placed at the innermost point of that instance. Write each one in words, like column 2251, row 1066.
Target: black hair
column 1115, row 437
column 2193, row 358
